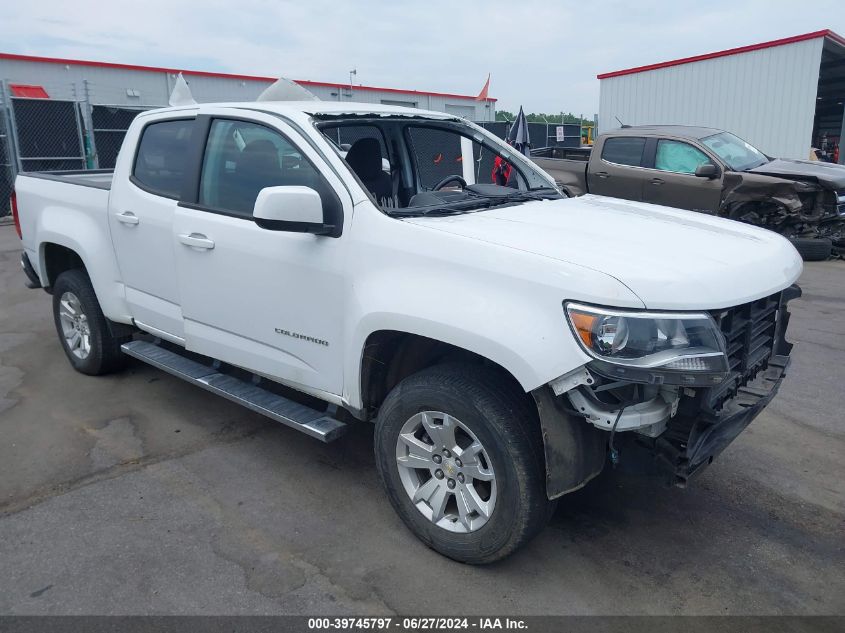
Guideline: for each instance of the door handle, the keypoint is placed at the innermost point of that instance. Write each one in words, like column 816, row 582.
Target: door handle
column 602, row 174
column 657, row 181
column 127, row 217
column 196, row 240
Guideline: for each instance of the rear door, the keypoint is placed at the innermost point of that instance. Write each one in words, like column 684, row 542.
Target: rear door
column 269, row 301
column 673, row 182
column 617, row 171
column 141, row 222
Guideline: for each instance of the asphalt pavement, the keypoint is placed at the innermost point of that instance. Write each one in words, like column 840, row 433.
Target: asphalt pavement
column 139, row 494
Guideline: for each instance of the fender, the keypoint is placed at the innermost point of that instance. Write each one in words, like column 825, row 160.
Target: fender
column 87, row 237
column 500, row 303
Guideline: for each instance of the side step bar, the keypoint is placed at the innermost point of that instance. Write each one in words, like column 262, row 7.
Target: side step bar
column 310, row 421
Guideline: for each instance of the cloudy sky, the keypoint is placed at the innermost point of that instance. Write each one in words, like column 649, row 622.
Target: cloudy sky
column 542, row 54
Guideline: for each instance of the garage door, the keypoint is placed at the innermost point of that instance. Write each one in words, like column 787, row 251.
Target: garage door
column 467, row 112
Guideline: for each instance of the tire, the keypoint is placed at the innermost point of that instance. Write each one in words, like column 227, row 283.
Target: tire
column 486, row 408
column 76, row 311
column 812, row 249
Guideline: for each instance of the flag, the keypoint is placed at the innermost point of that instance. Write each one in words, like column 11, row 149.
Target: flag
column 482, row 96
column 518, row 135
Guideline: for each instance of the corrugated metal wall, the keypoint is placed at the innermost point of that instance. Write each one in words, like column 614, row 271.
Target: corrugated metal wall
column 767, row 97
column 118, row 86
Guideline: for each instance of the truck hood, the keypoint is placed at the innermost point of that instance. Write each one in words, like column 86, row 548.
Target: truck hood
column 671, row 259
column 826, row 174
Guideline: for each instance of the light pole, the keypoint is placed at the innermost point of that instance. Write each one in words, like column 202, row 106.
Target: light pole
column 352, row 72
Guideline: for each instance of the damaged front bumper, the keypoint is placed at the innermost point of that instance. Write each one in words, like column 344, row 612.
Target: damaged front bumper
column 689, row 444
column 673, row 433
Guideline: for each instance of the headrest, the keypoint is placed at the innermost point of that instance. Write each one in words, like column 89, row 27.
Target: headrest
column 365, row 158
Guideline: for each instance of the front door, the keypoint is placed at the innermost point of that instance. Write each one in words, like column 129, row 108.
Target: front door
column 673, row 182
column 141, row 223
column 269, row 301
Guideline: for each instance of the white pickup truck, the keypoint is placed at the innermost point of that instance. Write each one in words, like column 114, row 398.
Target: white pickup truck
column 507, row 342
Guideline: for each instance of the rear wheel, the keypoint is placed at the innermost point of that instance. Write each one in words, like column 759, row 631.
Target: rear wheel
column 460, row 455
column 83, row 330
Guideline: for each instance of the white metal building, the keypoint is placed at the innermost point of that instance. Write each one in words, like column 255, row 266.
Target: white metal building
column 130, row 85
column 783, row 96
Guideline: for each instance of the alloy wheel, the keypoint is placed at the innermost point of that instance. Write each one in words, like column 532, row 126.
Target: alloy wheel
column 446, row 471
column 75, row 327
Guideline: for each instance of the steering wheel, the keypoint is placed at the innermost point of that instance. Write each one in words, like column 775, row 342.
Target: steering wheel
column 448, row 179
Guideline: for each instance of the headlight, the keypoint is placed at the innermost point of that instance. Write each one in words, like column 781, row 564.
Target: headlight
column 658, row 343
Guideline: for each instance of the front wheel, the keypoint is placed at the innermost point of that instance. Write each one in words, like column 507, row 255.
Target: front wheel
column 460, row 456
column 812, row 249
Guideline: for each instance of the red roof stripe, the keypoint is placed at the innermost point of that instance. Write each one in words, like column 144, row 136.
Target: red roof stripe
column 731, row 51
column 205, row 73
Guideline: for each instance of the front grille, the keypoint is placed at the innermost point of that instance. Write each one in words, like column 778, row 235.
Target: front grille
column 834, row 204
column 749, row 331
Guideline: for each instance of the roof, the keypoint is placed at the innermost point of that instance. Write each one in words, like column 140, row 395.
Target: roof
column 316, row 108
column 204, row 73
column 825, row 33
column 689, row 131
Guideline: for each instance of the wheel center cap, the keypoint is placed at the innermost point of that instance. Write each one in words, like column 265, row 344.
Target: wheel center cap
column 449, row 467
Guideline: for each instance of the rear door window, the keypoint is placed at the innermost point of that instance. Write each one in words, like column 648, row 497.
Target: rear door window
column 160, row 160
column 624, row 150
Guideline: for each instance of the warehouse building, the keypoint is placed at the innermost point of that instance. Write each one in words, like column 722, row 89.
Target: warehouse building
column 785, row 96
column 73, row 114
column 129, row 85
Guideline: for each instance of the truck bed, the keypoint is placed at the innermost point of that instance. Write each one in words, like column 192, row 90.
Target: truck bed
column 569, row 174
column 97, row 178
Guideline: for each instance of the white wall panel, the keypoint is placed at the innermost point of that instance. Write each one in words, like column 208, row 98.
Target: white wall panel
column 109, row 86
column 766, row 96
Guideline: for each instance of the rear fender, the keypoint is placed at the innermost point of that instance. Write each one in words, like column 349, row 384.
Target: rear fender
column 88, row 237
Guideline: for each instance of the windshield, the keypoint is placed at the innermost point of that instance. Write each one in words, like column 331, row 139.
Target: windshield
column 416, row 165
column 738, row 154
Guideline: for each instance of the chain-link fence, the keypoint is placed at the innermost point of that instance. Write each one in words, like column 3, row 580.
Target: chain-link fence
column 65, row 128
column 108, row 126
column 47, row 134
column 541, row 134
column 6, row 168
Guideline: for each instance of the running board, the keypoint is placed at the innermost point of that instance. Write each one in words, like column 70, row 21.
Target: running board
column 309, row 421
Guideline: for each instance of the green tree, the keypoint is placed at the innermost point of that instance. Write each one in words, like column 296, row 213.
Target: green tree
column 505, row 115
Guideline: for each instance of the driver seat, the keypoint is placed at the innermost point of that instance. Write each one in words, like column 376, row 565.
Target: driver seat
column 364, row 157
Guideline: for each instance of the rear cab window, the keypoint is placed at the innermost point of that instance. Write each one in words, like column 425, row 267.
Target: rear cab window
column 161, row 157
column 438, row 153
column 624, row 150
column 345, row 136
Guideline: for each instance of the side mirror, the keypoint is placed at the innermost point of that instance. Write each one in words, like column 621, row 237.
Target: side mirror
column 707, row 170
column 290, row 208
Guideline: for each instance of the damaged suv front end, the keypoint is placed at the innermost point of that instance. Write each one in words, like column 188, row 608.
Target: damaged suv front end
column 668, row 390
column 795, row 198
